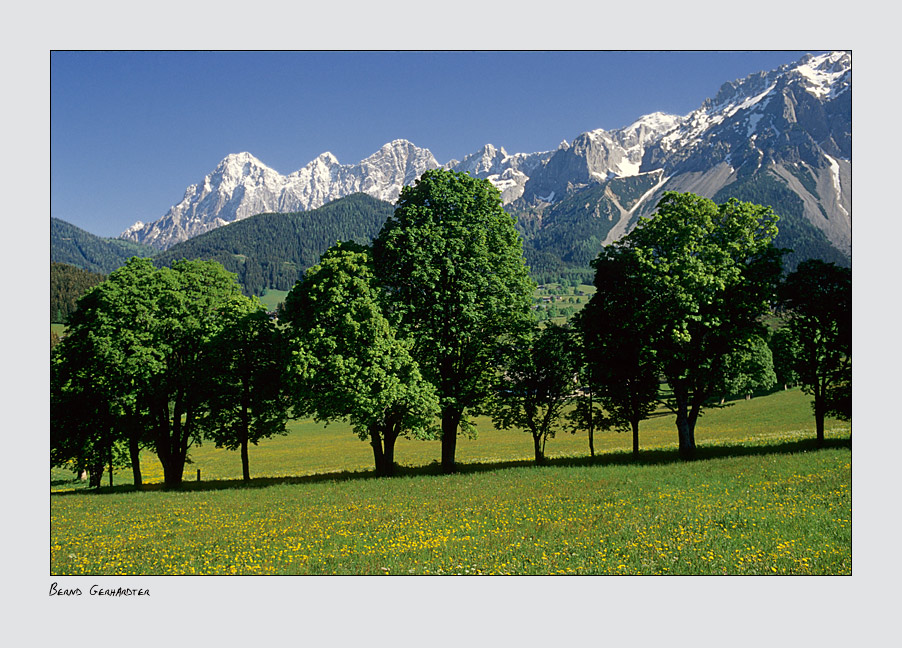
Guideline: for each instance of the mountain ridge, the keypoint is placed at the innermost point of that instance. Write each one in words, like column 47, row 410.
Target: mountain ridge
column 791, row 125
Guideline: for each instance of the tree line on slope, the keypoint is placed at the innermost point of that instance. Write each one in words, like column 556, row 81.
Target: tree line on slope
column 67, row 285
column 74, row 246
column 274, row 250
column 433, row 324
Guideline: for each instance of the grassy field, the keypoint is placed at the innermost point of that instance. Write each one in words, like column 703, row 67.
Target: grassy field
column 565, row 300
column 271, row 298
column 759, row 501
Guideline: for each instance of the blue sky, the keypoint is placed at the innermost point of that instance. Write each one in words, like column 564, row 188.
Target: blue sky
column 131, row 130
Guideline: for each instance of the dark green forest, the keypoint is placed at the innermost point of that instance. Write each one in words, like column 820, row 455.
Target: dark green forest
column 75, row 246
column 274, row 250
column 67, row 285
column 797, row 235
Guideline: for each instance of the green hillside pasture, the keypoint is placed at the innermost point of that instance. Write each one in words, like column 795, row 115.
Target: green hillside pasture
column 315, row 449
column 557, row 296
column 767, row 513
column 271, row 298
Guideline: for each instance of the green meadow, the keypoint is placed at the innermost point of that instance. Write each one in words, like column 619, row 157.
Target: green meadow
column 271, row 298
column 759, row 500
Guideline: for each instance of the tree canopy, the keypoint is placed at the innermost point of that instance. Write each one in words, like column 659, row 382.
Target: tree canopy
column 711, row 272
column 817, row 298
column 143, row 343
column 537, row 384
column 452, row 263
column 348, row 361
column 618, row 333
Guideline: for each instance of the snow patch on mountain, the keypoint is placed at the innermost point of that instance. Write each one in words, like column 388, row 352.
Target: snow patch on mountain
column 826, row 74
column 837, row 187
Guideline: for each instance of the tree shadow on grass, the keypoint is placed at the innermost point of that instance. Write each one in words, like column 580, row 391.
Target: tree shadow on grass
column 654, row 457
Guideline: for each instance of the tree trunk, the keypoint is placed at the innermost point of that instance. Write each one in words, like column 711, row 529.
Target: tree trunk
column 95, row 475
column 245, row 460
column 378, row 453
column 685, row 422
column 591, row 428
column 686, row 436
column 388, row 451
column 635, row 424
column 173, row 461
column 245, row 428
column 537, row 441
column 168, row 449
column 163, row 444
column 819, row 414
column 450, row 422
column 172, row 473
column 134, row 453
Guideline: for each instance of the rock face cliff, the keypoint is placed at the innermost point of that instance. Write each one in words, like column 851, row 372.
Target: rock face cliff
column 783, row 136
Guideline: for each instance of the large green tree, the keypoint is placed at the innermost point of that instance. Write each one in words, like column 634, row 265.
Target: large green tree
column 99, row 366
column 536, row 386
column 348, row 361
column 618, row 334
column 187, row 304
column 248, row 402
column 144, row 339
column 784, row 349
column 84, row 435
column 748, row 369
column 817, row 298
column 711, row 272
column 452, row 264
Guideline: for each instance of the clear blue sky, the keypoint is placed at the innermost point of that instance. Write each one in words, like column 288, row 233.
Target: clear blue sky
column 131, row 130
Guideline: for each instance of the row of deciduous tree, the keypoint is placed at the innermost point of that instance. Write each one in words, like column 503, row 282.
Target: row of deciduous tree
column 426, row 328
column 678, row 319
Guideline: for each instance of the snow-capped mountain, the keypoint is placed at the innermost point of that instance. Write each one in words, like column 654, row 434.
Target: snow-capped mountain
column 768, row 105
column 792, row 124
column 509, row 173
column 782, row 138
column 597, row 156
column 241, row 186
column 784, row 133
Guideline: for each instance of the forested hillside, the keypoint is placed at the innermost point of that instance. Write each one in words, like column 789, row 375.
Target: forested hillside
column 274, row 250
column 75, row 246
column 559, row 241
column 67, row 285
column 797, row 234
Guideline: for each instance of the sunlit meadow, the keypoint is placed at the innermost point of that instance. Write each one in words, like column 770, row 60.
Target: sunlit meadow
column 759, row 501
